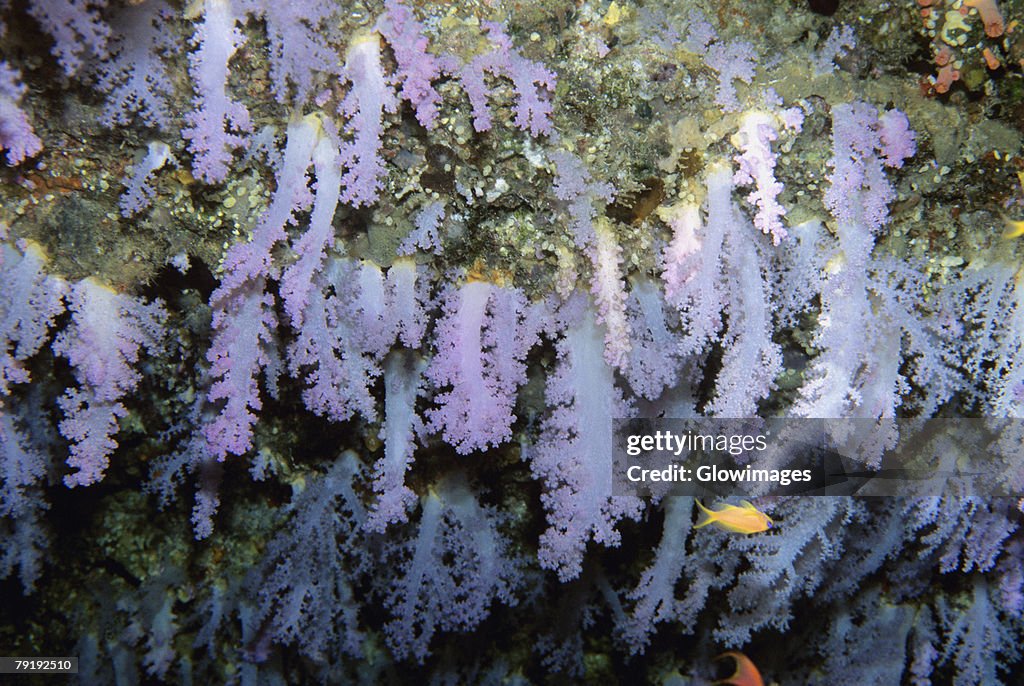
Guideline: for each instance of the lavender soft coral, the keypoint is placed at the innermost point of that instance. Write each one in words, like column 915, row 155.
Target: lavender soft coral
column 348, row 332
column 368, row 99
column 135, row 76
column 417, row 67
column 451, row 572
column 219, row 124
column 575, row 458
column 298, row 50
column 482, row 342
column 426, row 235
column 243, row 319
column 103, row 344
column 30, row 304
column 298, row 279
column 77, row 28
column 23, row 535
column 306, row 581
column 858, row 197
column 529, row 78
column 242, row 347
column 403, row 384
column 16, row 134
column 425, row 258
column 757, row 167
column 140, row 191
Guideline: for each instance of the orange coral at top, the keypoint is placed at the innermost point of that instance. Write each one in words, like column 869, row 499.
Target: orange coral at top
column 990, row 15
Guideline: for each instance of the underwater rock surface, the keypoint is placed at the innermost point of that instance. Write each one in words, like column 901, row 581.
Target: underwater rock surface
column 317, row 317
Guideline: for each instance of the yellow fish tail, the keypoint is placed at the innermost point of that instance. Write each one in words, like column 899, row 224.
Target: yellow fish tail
column 707, row 516
column 1013, row 228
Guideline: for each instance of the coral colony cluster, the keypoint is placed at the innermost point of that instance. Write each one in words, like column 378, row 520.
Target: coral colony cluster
column 316, row 317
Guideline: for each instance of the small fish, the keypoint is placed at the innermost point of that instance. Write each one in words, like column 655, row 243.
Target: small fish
column 746, row 672
column 741, row 520
column 1014, row 228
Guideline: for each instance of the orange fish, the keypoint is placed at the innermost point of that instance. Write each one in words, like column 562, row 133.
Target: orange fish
column 741, row 520
column 746, row 672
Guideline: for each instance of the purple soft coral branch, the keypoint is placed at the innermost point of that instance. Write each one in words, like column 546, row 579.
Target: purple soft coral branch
column 298, row 47
column 311, row 246
column 482, row 343
column 242, row 346
column 103, row 343
column 609, row 292
column 417, row 68
column 218, row 125
column 425, row 235
column 23, row 536
column 77, row 29
column 330, row 351
column 243, row 320
column 370, row 96
column 574, row 457
column 253, row 259
column 134, row 77
column 31, row 301
column 402, row 386
column 574, row 185
column 453, row 570
column 139, row 192
column 733, row 60
column 530, row 79
column 354, row 318
column 654, row 359
column 16, row 134
column 757, row 167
